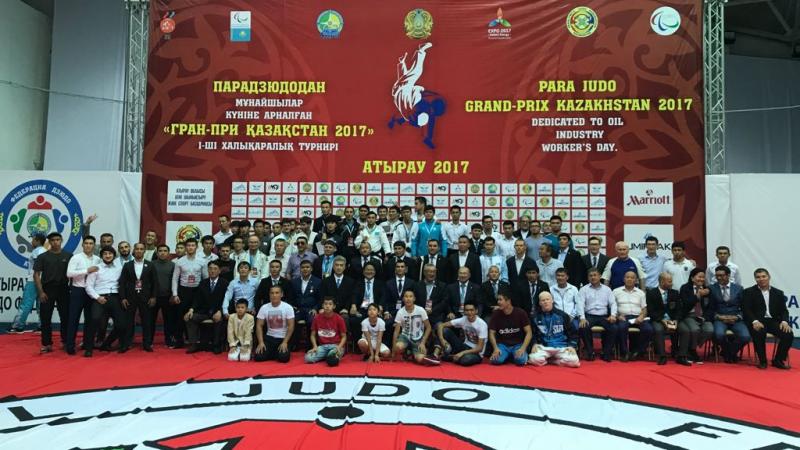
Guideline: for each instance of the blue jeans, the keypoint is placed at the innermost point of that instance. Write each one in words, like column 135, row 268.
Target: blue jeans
column 506, row 352
column 30, row 298
column 741, row 336
column 645, row 334
column 322, row 353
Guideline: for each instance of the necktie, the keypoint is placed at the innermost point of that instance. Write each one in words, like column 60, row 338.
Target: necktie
column 400, row 286
column 698, row 310
column 725, row 294
column 433, row 260
column 364, row 262
column 463, row 292
column 213, row 283
column 494, row 288
column 369, row 290
column 338, row 282
column 594, row 261
column 664, row 297
column 533, row 292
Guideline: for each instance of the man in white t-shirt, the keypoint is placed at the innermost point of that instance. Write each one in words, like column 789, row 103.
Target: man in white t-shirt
column 371, row 343
column 679, row 266
column 411, row 330
column 469, row 351
column 273, row 343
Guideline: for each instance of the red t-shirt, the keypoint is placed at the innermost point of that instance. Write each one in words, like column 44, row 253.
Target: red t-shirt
column 329, row 330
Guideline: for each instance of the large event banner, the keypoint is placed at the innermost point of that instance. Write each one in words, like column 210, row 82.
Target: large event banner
column 41, row 202
column 590, row 109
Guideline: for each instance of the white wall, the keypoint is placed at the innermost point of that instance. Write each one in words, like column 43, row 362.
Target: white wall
column 84, row 129
column 24, row 60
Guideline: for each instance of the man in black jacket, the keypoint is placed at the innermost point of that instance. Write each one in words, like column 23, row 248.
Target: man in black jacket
column 138, row 284
column 765, row 312
column 519, row 264
column 527, row 292
column 393, row 295
column 572, row 261
column 434, row 257
column 340, row 287
column 489, row 291
column 368, row 290
column 664, row 310
column 207, row 304
column 594, row 258
column 432, row 296
column 464, row 257
column 461, row 292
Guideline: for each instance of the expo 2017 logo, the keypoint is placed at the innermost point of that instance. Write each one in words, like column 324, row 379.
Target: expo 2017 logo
column 38, row 207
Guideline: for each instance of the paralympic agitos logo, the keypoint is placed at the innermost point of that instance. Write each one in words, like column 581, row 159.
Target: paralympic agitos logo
column 361, row 412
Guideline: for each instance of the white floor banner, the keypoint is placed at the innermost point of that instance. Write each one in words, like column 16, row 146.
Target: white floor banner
column 756, row 215
column 33, row 202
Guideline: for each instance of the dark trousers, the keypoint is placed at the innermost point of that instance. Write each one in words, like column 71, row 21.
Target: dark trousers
column 271, row 352
column 113, row 308
column 609, row 334
column 145, row 317
column 740, row 338
column 57, row 300
column 659, row 331
column 644, row 336
column 457, row 345
column 355, row 326
column 194, row 323
column 79, row 303
column 176, row 313
column 760, row 338
column 162, row 304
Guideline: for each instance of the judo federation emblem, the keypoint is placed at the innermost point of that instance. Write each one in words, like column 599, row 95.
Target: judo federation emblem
column 416, row 105
column 38, row 207
column 188, row 232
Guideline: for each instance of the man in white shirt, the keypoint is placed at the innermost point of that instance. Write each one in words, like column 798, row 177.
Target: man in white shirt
column 238, row 253
column 207, row 254
column 189, row 271
column 679, row 266
column 287, row 234
column 375, row 235
column 505, row 245
column 565, row 296
column 273, row 341
column 391, row 225
column 79, row 267
column 103, row 287
column 411, row 330
column 150, row 245
column 259, row 265
column 407, row 229
column 224, row 230
column 454, row 229
column 723, row 259
column 490, row 258
column 281, row 254
column 466, row 352
column 547, row 264
column 632, row 312
column 488, row 228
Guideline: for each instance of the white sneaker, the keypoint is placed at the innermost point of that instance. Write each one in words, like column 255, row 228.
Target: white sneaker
column 244, row 356
column 233, row 355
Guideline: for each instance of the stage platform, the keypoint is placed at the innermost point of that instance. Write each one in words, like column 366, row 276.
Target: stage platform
column 168, row 400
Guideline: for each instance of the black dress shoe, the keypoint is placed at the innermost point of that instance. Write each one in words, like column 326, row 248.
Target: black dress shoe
column 693, row 356
column 123, row 349
column 682, row 360
column 590, row 357
column 624, row 358
column 606, row 358
column 71, row 351
column 779, row 365
column 633, row 356
column 87, row 353
column 662, row 360
column 217, row 350
column 192, row 349
column 148, row 348
column 762, row 364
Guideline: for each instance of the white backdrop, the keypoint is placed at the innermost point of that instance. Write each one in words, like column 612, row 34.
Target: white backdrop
column 756, row 215
column 66, row 199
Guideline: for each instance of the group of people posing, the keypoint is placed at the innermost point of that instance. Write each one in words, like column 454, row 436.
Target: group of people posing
column 399, row 284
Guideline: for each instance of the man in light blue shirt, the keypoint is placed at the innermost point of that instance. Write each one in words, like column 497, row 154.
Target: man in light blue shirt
column 242, row 287
column 652, row 262
column 547, row 264
column 489, row 258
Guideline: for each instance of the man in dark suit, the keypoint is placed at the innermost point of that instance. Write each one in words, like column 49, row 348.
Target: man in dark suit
column 393, row 295
column 323, row 266
column 435, row 258
column 137, row 287
column 400, row 254
column 307, row 291
column 348, row 230
column 519, row 264
column 594, row 258
column 364, row 256
column 726, row 311
column 329, row 233
column 664, row 310
column 274, row 278
column 207, row 304
column 489, row 290
column 339, row 287
column 696, row 315
column 369, row 289
column 526, row 295
column 432, row 296
column 475, row 240
column 464, row 257
column 765, row 312
column 461, row 292
column 572, row 261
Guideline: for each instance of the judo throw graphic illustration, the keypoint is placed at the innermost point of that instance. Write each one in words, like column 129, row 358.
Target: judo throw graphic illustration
column 416, row 105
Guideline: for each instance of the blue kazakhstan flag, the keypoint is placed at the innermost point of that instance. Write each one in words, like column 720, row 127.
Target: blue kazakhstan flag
column 240, row 26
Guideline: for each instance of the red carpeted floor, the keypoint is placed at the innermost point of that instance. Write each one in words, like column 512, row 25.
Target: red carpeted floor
column 740, row 392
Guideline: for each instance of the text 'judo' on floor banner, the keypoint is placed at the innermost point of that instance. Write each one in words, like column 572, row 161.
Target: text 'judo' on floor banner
column 589, row 110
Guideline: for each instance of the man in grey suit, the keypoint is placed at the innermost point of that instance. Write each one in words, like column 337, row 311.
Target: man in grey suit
column 726, row 304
